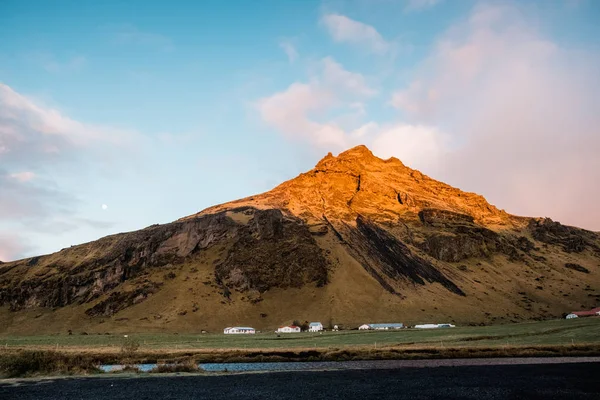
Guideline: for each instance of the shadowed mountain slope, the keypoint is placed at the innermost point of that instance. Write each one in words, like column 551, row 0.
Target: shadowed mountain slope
column 356, row 239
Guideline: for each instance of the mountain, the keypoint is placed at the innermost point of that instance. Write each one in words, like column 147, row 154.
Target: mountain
column 357, row 239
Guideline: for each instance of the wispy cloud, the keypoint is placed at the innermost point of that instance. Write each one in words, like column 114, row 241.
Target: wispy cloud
column 289, row 50
column 346, row 82
column 31, row 133
column 38, row 139
column 346, row 30
column 23, row 200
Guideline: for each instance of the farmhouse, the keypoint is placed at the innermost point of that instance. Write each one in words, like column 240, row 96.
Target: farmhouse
column 289, row 329
column 578, row 314
column 364, row 327
column 315, row 327
column 239, row 330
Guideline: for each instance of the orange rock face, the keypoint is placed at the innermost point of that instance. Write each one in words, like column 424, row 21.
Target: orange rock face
column 358, row 183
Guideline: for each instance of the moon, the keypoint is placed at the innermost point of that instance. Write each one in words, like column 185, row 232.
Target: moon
column 104, row 206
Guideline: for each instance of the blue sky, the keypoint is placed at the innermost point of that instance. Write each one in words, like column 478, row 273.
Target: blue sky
column 160, row 109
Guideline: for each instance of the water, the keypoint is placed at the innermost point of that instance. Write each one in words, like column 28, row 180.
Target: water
column 277, row 366
column 240, row 367
column 264, row 366
column 366, row 364
column 120, row 367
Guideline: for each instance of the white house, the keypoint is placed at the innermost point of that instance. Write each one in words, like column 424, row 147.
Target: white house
column 571, row 316
column 289, row 329
column 239, row 330
column 315, row 327
column 364, row 327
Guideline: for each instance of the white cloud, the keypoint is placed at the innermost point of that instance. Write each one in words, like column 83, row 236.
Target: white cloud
column 297, row 110
column 345, row 30
column 289, row 50
column 418, row 146
column 291, row 112
column 346, row 82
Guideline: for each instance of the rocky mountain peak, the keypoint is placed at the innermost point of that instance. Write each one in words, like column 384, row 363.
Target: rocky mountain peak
column 355, row 159
column 356, row 182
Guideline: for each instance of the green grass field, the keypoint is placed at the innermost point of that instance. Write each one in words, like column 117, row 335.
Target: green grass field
column 554, row 332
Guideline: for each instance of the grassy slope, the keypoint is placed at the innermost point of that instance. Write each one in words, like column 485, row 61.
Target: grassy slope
column 186, row 305
column 555, row 332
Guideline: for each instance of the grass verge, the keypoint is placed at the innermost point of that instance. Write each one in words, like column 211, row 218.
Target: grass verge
column 21, row 363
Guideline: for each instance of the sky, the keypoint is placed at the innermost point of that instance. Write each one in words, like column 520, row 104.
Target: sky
column 117, row 115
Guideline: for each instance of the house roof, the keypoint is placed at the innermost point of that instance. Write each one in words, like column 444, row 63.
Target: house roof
column 315, row 324
column 289, row 326
column 584, row 313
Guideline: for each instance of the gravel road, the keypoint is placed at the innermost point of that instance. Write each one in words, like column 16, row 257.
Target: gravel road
column 508, row 381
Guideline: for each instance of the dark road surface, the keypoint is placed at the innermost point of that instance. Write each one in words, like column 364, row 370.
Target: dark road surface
column 550, row 381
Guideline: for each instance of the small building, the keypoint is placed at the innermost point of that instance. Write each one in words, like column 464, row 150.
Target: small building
column 315, row 327
column 289, row 329
column 364, row 327
column 434, row 326
column 236, row 330
column 386, row 326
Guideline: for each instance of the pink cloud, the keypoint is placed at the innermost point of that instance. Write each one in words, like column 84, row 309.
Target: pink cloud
column 520, row 110
column 11, row 247
column 299, row 110
column 23, row 176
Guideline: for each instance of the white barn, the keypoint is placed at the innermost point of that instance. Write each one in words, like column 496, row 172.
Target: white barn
column 364, row 327
column 434, row 326
column 315, row 327
column 289, row 329
column 237, row 330
column 387, row 326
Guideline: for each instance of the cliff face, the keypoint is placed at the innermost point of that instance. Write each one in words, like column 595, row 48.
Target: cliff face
column 354, row 233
